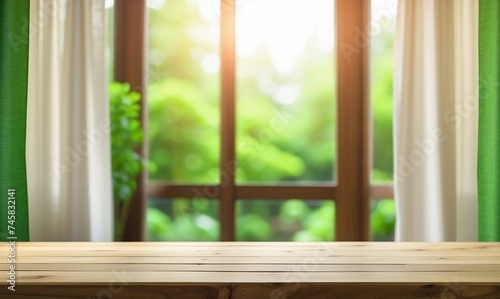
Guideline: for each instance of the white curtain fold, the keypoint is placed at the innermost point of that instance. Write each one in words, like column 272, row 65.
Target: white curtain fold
column 68, row 142
column 435, row 120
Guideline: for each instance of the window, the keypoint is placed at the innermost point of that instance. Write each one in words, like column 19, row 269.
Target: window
column 270, row 140
column 383, row 211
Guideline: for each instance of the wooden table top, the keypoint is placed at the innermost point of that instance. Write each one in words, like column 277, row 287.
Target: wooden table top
column 80, row 263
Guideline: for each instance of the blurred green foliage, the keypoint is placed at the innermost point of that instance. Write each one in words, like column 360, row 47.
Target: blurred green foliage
column 383, row 220
column 126, row 135
column 275, row 142
column 179, row 224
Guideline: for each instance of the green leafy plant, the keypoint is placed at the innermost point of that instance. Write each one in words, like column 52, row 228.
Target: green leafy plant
column 383, row 220
column 126, row 136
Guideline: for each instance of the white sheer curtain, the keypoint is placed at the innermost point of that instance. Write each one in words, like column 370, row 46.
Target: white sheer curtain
column 435, row 124
column 68, row 146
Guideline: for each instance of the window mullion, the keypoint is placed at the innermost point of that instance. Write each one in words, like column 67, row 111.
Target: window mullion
column 227, row 106
column 352, row 221
column 130, row 67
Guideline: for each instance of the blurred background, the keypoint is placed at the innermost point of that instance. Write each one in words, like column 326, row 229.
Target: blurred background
column 286, row 115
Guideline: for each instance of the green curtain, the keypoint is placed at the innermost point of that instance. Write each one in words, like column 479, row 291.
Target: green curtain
column 14, row 38
column 489, row 121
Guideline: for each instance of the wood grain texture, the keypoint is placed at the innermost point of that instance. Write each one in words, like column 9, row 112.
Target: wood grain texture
column 246, row 270
column 260, row 291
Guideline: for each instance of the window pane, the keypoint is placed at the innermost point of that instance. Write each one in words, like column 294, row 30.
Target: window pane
column 382, row 56
column 182, row 220
column 291, row 220
column 285, row 90
column 383, row 219
column 110, row 35
column 183, row 90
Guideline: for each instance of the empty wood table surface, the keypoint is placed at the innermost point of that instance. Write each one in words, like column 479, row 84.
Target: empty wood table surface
column 240, row 270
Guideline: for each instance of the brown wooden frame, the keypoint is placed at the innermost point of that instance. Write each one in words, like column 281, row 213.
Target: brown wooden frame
column 352, row 219
column 130, row 66
column 352, row 192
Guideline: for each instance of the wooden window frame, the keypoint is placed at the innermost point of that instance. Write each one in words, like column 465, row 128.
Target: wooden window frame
column 130, row 65
column 351, row 192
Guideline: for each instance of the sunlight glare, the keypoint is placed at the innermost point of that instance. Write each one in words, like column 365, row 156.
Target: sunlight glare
column 211, row 63
column 285, row 28
column 287, row 94
column 209, row 9
column 156, row 4
column 109, row 3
